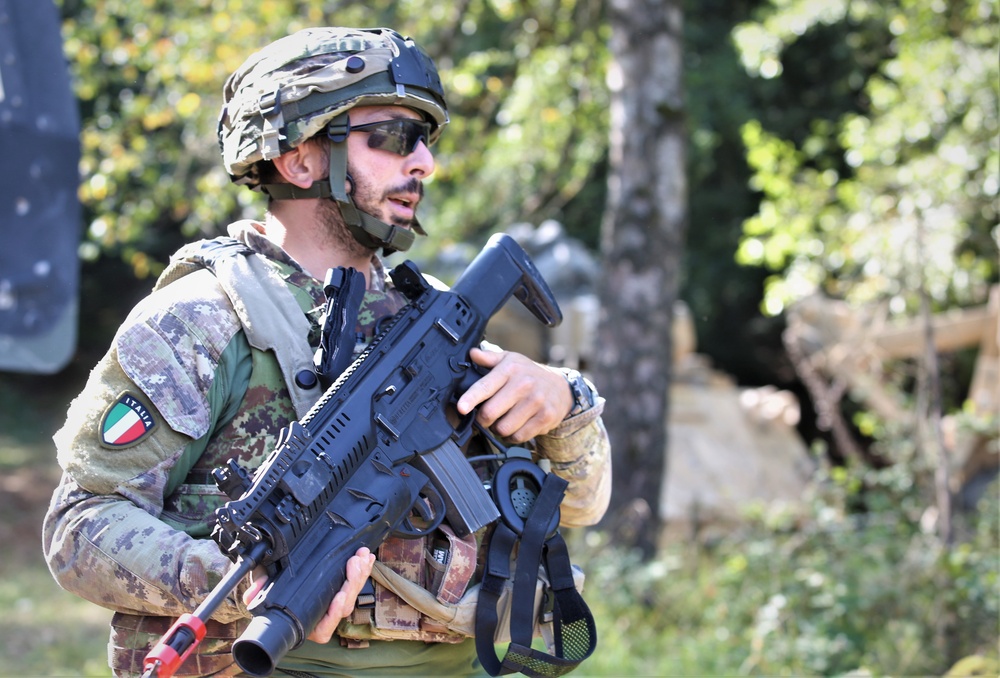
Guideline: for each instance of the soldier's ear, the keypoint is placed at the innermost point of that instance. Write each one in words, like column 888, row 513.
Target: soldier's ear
column 302, row 165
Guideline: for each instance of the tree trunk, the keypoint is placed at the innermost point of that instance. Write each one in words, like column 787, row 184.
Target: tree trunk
column 642, row 239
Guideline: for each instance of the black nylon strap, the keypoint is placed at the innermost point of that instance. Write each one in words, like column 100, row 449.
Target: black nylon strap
column 345, row 290
column 367, row 229
column 497, row 572
column 575, row 631
column 529, row 556
column 374, row 233
column 319, row 189
column 207, row 252
column 573, row 624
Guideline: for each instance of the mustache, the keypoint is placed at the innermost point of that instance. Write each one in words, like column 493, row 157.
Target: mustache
column 414, row 185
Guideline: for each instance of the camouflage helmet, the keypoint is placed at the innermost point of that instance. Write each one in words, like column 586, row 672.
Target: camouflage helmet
column 297, row 86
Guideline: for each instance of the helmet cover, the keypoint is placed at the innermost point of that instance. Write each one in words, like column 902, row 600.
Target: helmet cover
column 290, row 90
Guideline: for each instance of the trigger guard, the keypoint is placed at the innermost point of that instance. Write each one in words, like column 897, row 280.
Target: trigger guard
column 435, row 513
column 462, row 432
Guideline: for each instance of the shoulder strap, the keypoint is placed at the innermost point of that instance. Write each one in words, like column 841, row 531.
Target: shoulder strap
column 271, row 317
column 200, row 254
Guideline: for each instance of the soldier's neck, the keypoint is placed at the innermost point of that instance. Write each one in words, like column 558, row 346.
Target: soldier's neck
column 295, row 229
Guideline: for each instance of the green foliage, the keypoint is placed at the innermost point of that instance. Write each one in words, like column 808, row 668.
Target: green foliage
column 721, row 98
column 876, row 202
column 524, row 81
column 148, row 76
column 529, row 120
column 852, row 584
column 46, row 631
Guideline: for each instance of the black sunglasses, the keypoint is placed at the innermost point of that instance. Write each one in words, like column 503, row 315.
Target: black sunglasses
column 399, row 135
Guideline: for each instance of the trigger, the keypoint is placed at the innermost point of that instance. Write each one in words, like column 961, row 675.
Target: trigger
column 463, row 431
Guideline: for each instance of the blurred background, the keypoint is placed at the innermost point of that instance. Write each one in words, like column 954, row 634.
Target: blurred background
column 773, row 230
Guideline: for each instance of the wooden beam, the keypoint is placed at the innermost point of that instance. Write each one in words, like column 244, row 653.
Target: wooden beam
column 952, row 331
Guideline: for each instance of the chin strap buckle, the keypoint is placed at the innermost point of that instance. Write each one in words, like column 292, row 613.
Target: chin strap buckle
column 338, row 128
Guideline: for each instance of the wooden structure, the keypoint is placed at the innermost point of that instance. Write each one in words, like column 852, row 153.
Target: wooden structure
column 838, row 349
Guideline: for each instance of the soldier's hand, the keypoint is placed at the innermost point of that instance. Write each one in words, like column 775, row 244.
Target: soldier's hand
column 519, row 398
column 359, row 568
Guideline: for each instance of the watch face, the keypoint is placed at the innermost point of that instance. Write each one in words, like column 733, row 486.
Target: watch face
column 582, row 395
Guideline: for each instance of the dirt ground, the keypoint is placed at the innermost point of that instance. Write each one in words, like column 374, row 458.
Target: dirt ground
column 32, row 407
column 24, row 497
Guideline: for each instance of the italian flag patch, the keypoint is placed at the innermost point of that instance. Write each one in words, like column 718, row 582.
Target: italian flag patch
column 126, row 422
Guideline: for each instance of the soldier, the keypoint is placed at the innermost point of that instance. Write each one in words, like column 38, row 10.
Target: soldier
column 334, row 125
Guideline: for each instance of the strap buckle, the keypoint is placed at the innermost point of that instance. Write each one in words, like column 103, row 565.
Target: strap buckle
column 339, row 128
column 270, row 103
column 366, row 597
column 546, row 613
column 270, row 109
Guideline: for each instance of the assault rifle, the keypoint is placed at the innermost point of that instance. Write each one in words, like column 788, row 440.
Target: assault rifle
column 376, row 455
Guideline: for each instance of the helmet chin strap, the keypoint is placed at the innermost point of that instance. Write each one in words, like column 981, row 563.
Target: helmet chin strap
column 365, row 228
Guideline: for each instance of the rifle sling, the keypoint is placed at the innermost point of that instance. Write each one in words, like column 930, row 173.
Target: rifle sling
column 575, row 631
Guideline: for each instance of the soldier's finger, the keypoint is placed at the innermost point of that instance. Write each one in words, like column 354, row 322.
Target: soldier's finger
column 358, row 569
column 324, row 629
column 486, row 387
column 260, row 579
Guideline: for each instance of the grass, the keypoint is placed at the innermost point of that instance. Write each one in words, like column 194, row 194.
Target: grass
column 46, row 631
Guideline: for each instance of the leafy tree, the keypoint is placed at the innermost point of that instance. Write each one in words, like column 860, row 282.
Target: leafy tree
column 148, row 76
column 525, row 83
column 895, row 202
column 529, row 118
column 846, row 204
column 821, row 81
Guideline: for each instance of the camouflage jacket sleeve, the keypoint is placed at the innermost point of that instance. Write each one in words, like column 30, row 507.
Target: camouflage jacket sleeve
column 580, row 452
column 103, row 536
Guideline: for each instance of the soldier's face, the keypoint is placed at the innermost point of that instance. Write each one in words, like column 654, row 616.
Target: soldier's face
column 387, row 185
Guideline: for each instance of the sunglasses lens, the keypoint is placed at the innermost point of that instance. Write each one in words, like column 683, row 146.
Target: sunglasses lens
column 398, row 136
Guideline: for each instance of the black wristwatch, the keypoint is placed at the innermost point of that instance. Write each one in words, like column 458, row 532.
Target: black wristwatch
column 582, row 390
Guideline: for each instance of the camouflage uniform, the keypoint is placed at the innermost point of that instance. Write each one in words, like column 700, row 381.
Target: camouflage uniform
column 182, row 386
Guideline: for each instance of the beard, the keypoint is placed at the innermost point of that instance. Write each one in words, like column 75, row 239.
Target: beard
column 366, row 199
column 335, row 231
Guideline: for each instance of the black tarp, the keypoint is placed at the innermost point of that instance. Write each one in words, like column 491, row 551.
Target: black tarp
column 39, row 209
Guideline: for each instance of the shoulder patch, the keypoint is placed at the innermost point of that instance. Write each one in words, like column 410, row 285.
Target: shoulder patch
column 126, row 422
